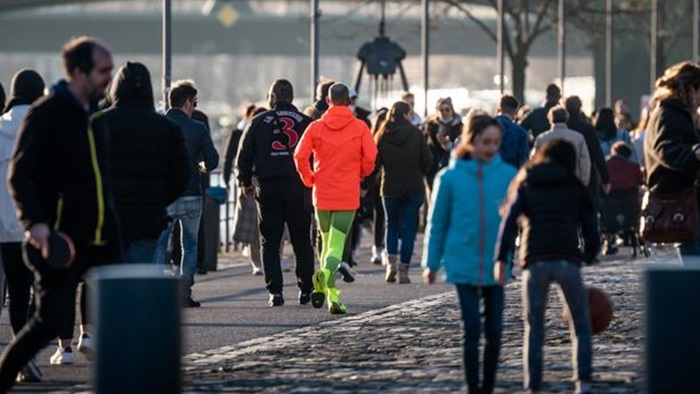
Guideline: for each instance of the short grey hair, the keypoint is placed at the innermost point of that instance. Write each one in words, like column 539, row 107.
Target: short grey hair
column 339, row 94
column 558, row 114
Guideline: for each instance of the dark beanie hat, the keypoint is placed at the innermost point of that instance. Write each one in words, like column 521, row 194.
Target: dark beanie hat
column 27, row 86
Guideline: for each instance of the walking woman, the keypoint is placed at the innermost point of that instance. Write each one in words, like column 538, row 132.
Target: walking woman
column 553, row 206
column 343, row 153
column 461, row 234
column 404, row 157
column 672, row 143
column 27, row 87
column 442, row 130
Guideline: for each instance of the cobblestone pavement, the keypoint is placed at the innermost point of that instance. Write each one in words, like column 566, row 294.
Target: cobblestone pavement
column 415, row 347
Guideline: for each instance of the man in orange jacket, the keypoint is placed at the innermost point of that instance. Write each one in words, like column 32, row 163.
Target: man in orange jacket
column 344, row 153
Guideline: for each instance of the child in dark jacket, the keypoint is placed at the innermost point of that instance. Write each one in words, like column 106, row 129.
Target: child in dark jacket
column 552, row 206
column 462, row 229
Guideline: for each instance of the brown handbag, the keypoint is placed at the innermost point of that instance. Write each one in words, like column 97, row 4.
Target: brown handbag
column 670, row 218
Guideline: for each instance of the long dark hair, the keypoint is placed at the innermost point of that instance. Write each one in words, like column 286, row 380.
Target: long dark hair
column 397, row 115
column 605, row 123
column 477, row 122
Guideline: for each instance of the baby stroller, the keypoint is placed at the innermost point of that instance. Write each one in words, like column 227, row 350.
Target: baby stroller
column 619, row 213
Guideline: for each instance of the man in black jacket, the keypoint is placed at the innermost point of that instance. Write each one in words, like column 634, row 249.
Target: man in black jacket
column 577, row 122
column 536, row 123
column 58, row 181
column 148, row 161
column 266, row 153
column 203, row 158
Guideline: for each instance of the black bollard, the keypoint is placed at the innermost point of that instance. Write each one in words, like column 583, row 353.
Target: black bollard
column 672, row 329
column 137, row 336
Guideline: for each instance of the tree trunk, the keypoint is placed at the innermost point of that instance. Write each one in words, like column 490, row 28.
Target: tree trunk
column 518, row 67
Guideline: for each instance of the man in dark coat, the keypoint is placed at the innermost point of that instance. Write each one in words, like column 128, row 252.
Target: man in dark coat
column 58, row 179
column 266, row 169
column 578, row 122
column 536, row 123
column 147, row 158
column 203, row 158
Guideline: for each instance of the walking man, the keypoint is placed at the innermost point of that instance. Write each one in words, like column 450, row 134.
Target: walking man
column 57, row 179
column 344, row 153
column 149, row 163
column 203, row 158
column 266, row 169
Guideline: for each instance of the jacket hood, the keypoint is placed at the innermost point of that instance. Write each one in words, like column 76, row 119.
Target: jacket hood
column 27, row 86
column 338, row 117
column 546, row 174
column 132, row 84
column 60, row 89
column 398, row 134
column 674, row 104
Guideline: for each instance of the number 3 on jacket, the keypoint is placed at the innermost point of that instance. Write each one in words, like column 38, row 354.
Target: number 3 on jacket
column 288, row 130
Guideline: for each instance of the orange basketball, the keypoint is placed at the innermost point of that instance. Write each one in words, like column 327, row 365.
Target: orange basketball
column 601, row 308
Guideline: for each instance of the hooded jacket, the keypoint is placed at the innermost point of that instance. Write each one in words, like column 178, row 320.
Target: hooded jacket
column 58, row 172
column 148, row 161
column 552, row 206
column 344, row 153
column 515, row 147
column 464, row 218
column 404, row 158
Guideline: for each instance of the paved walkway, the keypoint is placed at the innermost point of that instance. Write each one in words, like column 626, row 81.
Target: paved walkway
column 415, row 347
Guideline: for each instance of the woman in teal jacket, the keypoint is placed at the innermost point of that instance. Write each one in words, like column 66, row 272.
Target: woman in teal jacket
column 461, row 235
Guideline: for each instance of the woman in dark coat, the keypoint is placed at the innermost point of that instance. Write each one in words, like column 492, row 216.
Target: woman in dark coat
column 672, row 143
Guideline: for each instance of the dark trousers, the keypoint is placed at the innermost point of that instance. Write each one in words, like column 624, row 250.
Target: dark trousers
column 379, row 222
column 55, row 291
column 19, row 282
column 280, row 201
column 469, row 300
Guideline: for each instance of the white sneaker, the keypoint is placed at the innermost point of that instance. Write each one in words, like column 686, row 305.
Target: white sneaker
column 85, row 346
column 63, row 356
column 257, row 271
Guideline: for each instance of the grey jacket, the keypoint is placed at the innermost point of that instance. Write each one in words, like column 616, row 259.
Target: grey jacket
column 199, row 146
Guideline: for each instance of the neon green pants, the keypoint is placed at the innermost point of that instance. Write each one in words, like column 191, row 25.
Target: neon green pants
column 334, row 226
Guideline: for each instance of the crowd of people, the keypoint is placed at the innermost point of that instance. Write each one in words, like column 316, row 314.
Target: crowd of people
column 93, row 159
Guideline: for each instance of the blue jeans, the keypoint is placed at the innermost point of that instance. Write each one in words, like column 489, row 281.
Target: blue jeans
column 689, row 253
column 402, row 219
column 141, row 251
column 536, row 279
column 469, row 300
column 188, row 211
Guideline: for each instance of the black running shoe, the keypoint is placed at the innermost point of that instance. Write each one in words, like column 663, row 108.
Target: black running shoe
column 304, row 297
column 276, row 299
column 345, row 271
column 190, row 302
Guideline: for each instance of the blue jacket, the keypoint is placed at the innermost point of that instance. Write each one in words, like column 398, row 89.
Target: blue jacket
column 515, row 148
column 464, row 220
column 200, row 147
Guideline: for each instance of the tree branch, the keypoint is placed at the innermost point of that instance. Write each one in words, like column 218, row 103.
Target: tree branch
column 538, row 22
column 473, row 18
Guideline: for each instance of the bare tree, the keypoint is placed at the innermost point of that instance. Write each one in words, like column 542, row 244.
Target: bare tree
column 525, row 21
